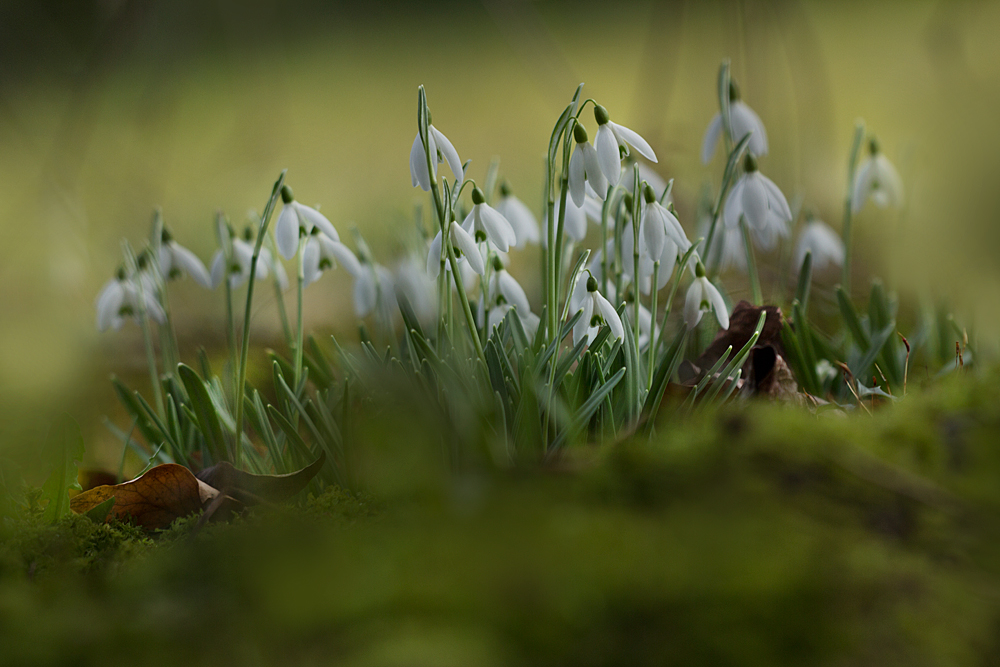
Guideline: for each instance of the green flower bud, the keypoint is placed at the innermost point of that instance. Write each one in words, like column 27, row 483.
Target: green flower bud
column 873, row 146
column 504, row 189
column 497, row 264
column 591, row 284
column 142, row 261
column 648, row 193
column 580, row 134
column 750, row 163
column 286, row 194
column 477, row 196
column 734, row 91
column 166, row 236
column 120, row 273
column 248, row 233
column 699, row 270
column 601, row 114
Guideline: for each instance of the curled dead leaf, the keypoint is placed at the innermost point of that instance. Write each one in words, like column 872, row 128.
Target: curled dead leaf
column 252, row 489
column 154, row 500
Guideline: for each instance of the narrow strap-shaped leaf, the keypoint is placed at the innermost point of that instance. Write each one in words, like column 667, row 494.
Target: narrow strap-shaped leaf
column 805, row 281
column 664, row 371
column 851, row 320
column 204, row 410
column 586, row 411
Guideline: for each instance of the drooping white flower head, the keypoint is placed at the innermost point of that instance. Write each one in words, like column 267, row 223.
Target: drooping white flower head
column 878, row 180
column 441, row 149
column 757, row 198
column 575, row 221
column 121, row 297
column 504, row 293
column 520, row 217
column 703, row 296
column 585, row 169
column 463, row 244
column 176, row 260
column 296, row 219
column 733, row 254
column 373, row 287
column 611, row 140
column 660, row 225
column 485, row 223
column 597, row 311
column 322, row 253
column 238, row 270
column 825, row 245
column 742, row 120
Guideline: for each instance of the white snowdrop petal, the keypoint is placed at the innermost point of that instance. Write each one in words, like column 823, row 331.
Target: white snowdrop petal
column 692, row 304
column 166, row 260
column 734, row 205
column 281, row 276
column 593, row 209
column 581, row 330
column 418, row 165
column 189, row 262
column 109, row 302
column 434, row 256
column 496, row 227
column 449, row 153
column 890, row 180
column 310, row 262
column 712, row 134
column 264, row 262
column 153, row 308
column 754, row 200
column 862, row 185
column 632, row 138
column 668, row 260
column 776, row 199
column 521, row 219
column 610, row 316
column 286, row 232
column 577, row 173
column 512, row 291
column 595, row 175
column 608, row 156
column 469, row 248
column 349, row 261
column 218, row 272
column 654, row 231
column 718, row 303
column 317, row 219
column 743, row 120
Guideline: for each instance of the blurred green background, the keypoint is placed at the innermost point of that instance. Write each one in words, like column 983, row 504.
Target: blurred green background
column 109, row 108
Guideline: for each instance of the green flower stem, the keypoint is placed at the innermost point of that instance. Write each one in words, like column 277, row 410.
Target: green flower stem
column 245, row 349
column 278, row 294
column 757, row 295
column 652, row 325
column 300, row 280
column 852, row 165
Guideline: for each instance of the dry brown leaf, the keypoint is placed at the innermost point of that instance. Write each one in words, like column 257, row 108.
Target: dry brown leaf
column 252, row 489
column 154, row 500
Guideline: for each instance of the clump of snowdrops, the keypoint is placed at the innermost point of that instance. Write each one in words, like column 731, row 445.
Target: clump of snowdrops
column 627, row 306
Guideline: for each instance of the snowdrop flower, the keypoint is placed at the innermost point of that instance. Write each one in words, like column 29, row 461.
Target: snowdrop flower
column 758, row 199
column 441, row 149
column 504, row 293
column 742, row 120
column 825, row 245
column 485, row 223
column 611, row 140
column 322, row 253
column 703, row 296
column 877, row 180
column 373, row 286
column 120, row 298
column 176, row 260
column 296, row 219
column 597, row 311
column 660, row 225
column 463, row 244
column 733, row 253
column 238, row 270
column 585, row 169
column 520, row 217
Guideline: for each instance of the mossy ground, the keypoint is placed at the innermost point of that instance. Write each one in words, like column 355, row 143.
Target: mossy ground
column 758, row 535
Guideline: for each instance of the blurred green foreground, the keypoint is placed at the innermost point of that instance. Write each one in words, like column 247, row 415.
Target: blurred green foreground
column 760, row 536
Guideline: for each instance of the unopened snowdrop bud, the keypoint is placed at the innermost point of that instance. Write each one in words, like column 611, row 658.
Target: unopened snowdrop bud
column 497, row 264
column 876, row 179
column 757, row 198
column 585, row 169
column 520, row 217
column 613, row 141
column 742, row 120
column 484, row 222
column 296, row 219
column 703, row 296
column 176, row 260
